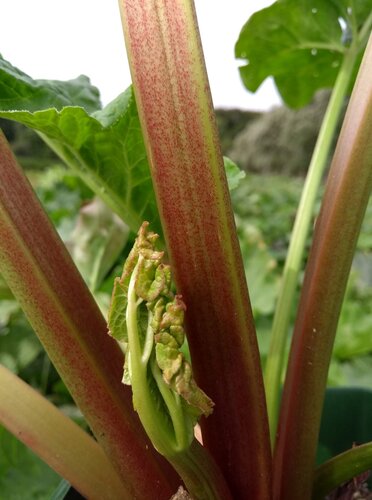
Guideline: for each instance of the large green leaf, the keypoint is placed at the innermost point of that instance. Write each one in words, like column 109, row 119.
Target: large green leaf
column 19, row 91
column 104, row 147
column 301, row 43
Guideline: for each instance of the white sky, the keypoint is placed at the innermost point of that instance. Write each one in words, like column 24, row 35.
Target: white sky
column 61, row 39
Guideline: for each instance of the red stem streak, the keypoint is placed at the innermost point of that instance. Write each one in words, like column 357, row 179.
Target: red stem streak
column 42, row 276
column 337, row 229
column 177, row 118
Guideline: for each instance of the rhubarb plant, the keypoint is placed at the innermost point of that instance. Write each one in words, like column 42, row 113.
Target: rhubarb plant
column 153, row 155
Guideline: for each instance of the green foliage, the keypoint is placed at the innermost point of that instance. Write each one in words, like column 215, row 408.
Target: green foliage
column 30, row 149
column 105, row 147
column 22, row 474
column 269, row 203
column 354, row 335
column 352, row 355
column 260, row 265
column 265, row 208
column 19, row 91
column 301, row 43
column 62, row 194
column 97, row 241
column 19, row 346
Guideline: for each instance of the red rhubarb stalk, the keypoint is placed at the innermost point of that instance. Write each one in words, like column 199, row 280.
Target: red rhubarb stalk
column 337, row 229
column 178, row 123
column 42, row 276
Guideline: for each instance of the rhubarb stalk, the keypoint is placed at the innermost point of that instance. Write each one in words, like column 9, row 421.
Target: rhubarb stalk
column 178, row 123
column 347, row 193
column 61, row 443
column 42, row 276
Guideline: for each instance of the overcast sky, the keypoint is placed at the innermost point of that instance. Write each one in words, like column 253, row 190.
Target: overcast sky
column 58, row 39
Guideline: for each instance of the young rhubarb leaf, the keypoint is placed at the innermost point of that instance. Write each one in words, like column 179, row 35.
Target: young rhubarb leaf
column 301, row 43
column 148, row 319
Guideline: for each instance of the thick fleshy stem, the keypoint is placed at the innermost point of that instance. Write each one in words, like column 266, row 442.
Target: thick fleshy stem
column 340, row 469
column 276, row 357
column 177, row 119
column 61, row 443
column 40, row 272
column 347, row 193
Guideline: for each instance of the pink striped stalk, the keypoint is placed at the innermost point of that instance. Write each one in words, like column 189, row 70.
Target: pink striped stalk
column 42, row 276
column 337, row 229
column 178, row 123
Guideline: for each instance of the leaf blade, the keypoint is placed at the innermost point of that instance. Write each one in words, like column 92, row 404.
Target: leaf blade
column 19, row 91
column 300, row 43
column 105, row 147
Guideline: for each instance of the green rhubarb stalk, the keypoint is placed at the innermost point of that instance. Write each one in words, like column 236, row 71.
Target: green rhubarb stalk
column 56, row 439
column 147, row 318
column 294, row 260
column 178, row 123
column 340, row 469
column 43, row 278
column 347, row 193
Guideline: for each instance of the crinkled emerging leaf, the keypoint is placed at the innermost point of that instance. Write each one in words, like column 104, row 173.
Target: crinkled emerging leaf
column 169, row 337
column 300, row 43
column 164, row 314
column 116, row 320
